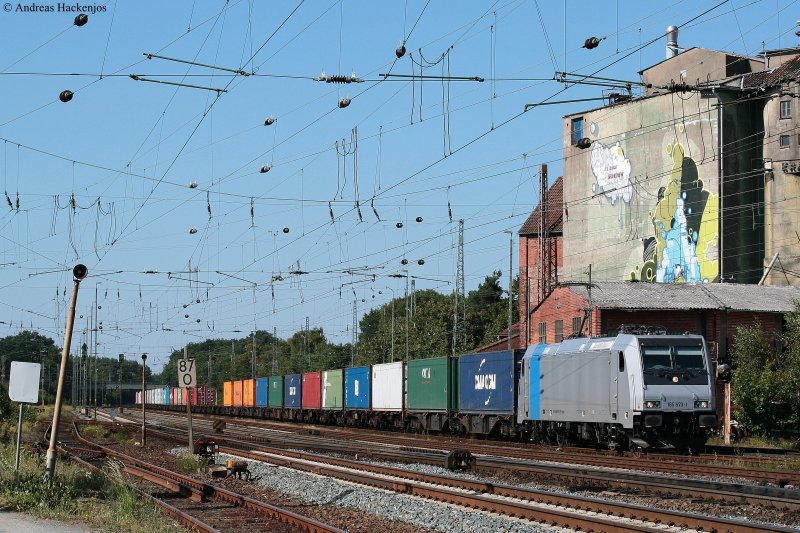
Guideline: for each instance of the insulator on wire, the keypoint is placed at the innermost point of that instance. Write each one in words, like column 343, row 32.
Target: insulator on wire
column 591, row 42
column 197, row 301
column 286, row 230
column 399, row 225
column 65, row 96
column 404, row 261
column 269, row 121
column 185, row 316
column 419, row 219
column 193, row 185
column 584, row 143
column 400, row 51
column 344, row 102
column 420, row 261
column 81, row 20
column 198, row 320
column 193, row 231
column 265, row 169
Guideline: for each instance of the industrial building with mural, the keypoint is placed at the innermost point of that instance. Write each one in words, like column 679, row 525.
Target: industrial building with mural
column 678, row 208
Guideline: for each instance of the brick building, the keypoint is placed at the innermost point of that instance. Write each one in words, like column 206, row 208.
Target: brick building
column 537, row 278
column 713, row 310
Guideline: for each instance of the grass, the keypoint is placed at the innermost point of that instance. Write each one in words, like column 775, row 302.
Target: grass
column 74, row 495
column 756, row 442
column 190, row 461
column 118, row 434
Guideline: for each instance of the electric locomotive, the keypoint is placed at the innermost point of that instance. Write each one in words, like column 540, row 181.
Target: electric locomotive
column 625, row 392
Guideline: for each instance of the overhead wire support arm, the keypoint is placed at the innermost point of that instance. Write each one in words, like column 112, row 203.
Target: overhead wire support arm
column 556, row 102
column 432, row 78
column 563, row 77
column 139, row 78
column 235, row 71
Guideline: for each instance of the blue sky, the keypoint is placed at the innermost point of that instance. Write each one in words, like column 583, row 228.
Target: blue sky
column 106, row 179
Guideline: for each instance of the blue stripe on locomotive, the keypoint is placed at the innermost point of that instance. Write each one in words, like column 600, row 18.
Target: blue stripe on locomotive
column 262, row 392
column 357, row 387
column 487, row 382
column 534, row 376
column 292, row 391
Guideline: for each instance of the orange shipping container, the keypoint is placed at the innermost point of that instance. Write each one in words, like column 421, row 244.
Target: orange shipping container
column 227, row 393
column 249, row 393
column 237, row 393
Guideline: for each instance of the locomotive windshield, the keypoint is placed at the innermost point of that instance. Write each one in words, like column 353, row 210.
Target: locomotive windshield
column 668, row 364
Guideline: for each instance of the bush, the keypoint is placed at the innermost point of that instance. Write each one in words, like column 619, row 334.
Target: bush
column 766, row 381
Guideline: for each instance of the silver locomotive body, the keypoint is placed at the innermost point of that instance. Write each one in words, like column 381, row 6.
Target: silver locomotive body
column 625, row 392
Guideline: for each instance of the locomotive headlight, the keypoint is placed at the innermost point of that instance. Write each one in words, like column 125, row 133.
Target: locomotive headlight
column 701, row 404
column 652, row 404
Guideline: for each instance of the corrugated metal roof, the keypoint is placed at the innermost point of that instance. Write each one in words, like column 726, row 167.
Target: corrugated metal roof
column 676, row 296
column 554, row 216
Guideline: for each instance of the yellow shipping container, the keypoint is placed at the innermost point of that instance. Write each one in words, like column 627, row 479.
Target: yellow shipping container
column 249, row 393
column 227, row 393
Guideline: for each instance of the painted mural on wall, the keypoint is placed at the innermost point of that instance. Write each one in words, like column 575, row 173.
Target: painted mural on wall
column 685, row 244
column 612, row 172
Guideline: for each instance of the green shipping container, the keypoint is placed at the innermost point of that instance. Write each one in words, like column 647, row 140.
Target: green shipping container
column 432, row 384
column 276, row 391
column 332, row 389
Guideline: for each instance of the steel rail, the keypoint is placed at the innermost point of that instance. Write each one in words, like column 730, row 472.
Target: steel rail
column 694, row 488
column 202, row 490
column 176, row 513
column 657, row 462
column 371, row 475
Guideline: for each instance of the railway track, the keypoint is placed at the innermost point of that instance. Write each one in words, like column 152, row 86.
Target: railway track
column 666, row 464
column 753, row 465
column 558, row 509
column 198, row 505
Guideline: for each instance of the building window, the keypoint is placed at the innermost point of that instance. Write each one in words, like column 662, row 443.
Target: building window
column 784, row 141
column 542, row 332
column 559, row 331
column 786, row 109
column 577, row 130
column 576, row 325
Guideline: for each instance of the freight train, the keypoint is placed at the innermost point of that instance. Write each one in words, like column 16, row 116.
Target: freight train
column 624, row 392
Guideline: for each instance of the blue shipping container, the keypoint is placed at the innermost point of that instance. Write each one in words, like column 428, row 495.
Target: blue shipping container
column 487, row 382
column 167, row 397
column 292, row 391
column 262, row 392
column 356, row 387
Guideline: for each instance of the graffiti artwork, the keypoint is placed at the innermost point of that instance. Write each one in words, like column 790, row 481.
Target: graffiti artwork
column 685, row 245
column 612, row 172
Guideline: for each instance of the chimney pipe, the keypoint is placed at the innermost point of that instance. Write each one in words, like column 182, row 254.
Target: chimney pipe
column 672, row 41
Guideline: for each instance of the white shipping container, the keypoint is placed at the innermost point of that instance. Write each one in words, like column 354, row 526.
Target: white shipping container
column 387, row 387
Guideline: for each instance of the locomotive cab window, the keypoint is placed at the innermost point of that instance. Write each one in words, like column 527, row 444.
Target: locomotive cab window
column 656, row 358
column 689, row 358
column 679, row 363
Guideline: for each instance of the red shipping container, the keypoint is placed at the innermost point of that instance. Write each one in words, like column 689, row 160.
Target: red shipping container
column 173, row 396
column 193, row 395
column 312, row 390
column 184, row 395
column 238, row 393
